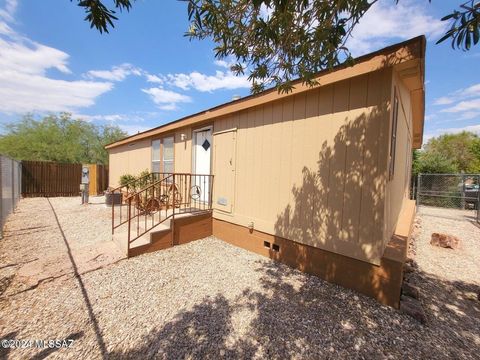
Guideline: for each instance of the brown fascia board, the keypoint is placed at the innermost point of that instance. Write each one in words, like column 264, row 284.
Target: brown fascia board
column 386, row 57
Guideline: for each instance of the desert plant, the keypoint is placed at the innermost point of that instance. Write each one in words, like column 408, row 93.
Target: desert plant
column 144, row 179
column 126, row 178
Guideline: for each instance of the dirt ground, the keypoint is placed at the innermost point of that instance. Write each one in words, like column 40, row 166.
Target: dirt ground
column 208, row 299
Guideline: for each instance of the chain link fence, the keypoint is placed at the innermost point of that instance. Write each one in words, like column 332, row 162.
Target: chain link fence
column 454, row 191
column 10, row 187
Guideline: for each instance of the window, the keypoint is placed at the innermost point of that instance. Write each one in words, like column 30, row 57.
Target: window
column 393, row 137
column 156, row 156
column 162, row 155
column 167, row 153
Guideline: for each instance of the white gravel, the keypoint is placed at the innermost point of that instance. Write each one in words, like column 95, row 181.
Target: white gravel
column 208, row 299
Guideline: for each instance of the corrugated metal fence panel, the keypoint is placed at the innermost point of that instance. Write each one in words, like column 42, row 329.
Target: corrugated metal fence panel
column 40, row 178
column 10, row 174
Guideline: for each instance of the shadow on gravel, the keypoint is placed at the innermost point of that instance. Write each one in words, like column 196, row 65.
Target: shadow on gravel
column 4, row 351
column 310, row 318
column 48, row 351
column 88, row 304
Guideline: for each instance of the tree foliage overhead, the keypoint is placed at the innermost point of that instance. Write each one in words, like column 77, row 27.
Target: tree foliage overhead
column 465, row 25
column 276, row 41
column 58, row 138
column 449, row 153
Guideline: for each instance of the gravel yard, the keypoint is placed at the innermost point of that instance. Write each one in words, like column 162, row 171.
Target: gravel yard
column 208, row 299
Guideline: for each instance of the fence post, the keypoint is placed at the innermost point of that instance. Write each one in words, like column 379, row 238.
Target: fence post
column 419, row 183
column 478, row 199
column 13, row 186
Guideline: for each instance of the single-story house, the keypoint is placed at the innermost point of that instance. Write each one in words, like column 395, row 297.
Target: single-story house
column 317, row 178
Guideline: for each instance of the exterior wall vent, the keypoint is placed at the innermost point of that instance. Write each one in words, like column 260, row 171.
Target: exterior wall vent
column 266, row 244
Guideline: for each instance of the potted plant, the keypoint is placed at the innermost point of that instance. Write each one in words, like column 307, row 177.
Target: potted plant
column 112, row 197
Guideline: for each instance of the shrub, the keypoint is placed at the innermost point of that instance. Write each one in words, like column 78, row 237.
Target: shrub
column 125, row 179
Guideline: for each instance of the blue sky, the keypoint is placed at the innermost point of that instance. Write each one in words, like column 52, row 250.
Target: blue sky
column 146, row 73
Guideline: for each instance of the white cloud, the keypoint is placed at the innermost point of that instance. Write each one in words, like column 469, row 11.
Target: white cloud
column 117, row 73
column 459, row 95
column 444, row 100
column 23, row 92
column 166, row 99
column 208, row 83
column 472, row 91
column 30, row 57
column 223, row 63
column 24, row 84
column 9, row 10
column 464, row 106
column 154, row 78
column 135, row 117
column 385, row 21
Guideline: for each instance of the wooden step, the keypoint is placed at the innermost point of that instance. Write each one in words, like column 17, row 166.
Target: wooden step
column 120, row 236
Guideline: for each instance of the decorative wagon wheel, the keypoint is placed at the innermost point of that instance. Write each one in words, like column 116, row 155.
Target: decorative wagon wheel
column 195, row 192
column 138, row 203
column 126, row 194
column 152, row 205
column 173, row 190
column 163, row 200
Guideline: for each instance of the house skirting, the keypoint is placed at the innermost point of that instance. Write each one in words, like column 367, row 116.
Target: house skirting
column 381, row 282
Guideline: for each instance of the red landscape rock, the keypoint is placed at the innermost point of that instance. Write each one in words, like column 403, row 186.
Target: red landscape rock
column 445, row 241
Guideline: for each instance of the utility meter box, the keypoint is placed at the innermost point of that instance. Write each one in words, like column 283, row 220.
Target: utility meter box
column 85, row 181
column 85, row 175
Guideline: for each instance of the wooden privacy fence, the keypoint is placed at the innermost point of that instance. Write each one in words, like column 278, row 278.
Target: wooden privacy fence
column 48, row 179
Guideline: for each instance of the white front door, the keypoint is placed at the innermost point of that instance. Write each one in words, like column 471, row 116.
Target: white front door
column 202, row 150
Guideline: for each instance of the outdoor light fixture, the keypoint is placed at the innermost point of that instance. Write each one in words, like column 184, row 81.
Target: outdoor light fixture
column 183, row 137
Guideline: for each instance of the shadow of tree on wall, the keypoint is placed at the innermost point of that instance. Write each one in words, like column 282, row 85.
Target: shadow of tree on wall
column 295, row 315
column 338, row 206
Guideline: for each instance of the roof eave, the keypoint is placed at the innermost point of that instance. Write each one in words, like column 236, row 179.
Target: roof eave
column 390, row 56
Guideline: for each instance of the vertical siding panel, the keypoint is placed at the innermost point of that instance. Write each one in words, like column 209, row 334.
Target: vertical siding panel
column 311, row 156
column 299, row 194
column 337, row 163
column 236, row 124
column 219, row 125
column 384, row 143
column 241, row 167
column 258, row 200
column 370, row 205
column 278, row 204
column 325, row 135
column 267, row 162
column 285, row 191
column 354, row 160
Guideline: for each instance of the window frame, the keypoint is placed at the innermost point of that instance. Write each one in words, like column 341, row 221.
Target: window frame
column 393, row 135
column 161, row 160
column 162, row 153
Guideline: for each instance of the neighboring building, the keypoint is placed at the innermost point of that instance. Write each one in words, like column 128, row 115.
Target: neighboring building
column 322, row 173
